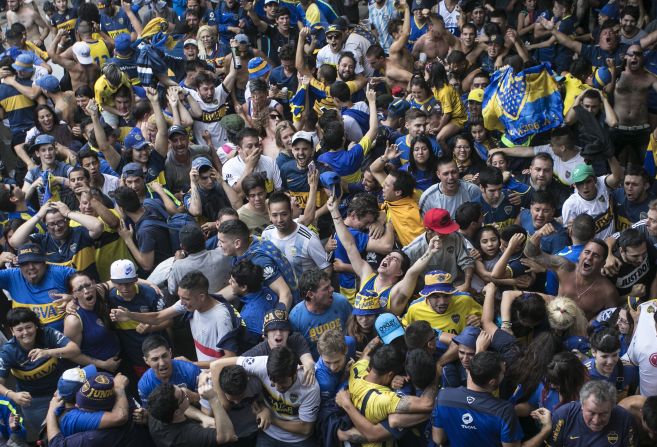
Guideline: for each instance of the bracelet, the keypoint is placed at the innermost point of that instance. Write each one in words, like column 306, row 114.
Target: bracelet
column 7, row 392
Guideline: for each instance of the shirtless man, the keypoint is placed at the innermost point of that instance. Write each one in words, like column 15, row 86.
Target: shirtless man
column 64, row 101
column 437, row 42
column 246, row 53
column 29, row 17
column 382, row 66
column 583, row 282
column 631, row 135
column 399, row 53
column 79, row 65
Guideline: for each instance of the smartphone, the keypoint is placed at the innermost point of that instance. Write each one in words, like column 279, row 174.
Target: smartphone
column 311, row 167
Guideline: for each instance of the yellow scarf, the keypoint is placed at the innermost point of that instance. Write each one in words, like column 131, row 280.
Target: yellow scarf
column 405, row 216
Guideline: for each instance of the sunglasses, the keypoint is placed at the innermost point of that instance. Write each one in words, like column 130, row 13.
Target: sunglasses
column 635, row 53
column 332, row 37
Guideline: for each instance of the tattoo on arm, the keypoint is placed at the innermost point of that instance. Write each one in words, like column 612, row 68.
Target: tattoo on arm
column 404, row 405
column 356, row 438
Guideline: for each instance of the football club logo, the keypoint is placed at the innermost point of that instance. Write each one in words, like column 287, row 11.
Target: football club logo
column 467, row 418
column 612, row 437
column 456, row 318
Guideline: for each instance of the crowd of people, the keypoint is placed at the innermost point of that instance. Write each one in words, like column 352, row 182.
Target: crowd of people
column 326, row 222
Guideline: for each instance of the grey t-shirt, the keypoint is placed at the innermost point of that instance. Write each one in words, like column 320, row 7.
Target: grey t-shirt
column 433, row 197
column 177, row 174
column 212, row 263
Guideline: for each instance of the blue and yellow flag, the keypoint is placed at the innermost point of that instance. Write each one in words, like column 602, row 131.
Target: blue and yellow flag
column 522, row 104
column 50, row 188
column 650, row 161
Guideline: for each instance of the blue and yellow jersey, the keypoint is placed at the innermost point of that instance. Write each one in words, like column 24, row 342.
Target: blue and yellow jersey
column 346, row 163
column 417, row 31
column 451, row 103
column 77, row 250
column 383, row 294
column 104, row 91
column 19, row 109
column 38, row 51
column 128, row 65
column 375, row 402
column 296, row 182
column 427, row 105
column 452, row 321
column 404, row 145
column 38, row 377
column 115, row 25
column 65, row 20
column 502, row 215
column 109, row 247
column 99, row 52
column 21, row 215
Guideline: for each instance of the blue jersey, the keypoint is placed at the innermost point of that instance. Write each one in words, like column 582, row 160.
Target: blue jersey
column 553, row 243
column 146, row 300
column 65, row 20
column 7, row 409
column 572, row 254
column 254, row 307
column 35, row 296
column 76, row 421
column 423, row 178
column 312, row 325
column 417, row 31
column 623, row 377
column 404, row 145
column 570, row 430
column 184, row 374
column 471, row 418
column 19, row 109
column 628, row 213
column 273, row 262
column 98, row 341
column 348, row 280
column 128, row 65
column 38, row 377
column 119, row 23
column 77, row 250
column 542, row 397
column 384, row 295
column 502, row 215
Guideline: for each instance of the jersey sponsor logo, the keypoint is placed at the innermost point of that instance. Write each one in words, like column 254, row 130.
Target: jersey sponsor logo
column 467, row 420
column 634, row 276
column 653, row 359
column 603, row 220
column 212, row 117
column 316, row 331
column 268, row 272
column 557, row 429
column 612, row 437
column 41, row 371
column 47, row 313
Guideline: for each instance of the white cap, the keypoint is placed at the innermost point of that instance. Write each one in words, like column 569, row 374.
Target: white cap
column 303, row 135
column 123, row 271
column 191, row 42
column 82, row 53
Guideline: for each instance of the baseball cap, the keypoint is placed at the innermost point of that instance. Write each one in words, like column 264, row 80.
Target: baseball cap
column 97, row 393
column 388, row 327
column 468, row 337
column 49, row 83
column 191, row 42
column 601, row 77
column 417, row 4
column 367, row 303
column 577, row 343
column 334, row 29
column 496, row 38
column 176, row 130
column 397, row 91
column 610, row 10
column 270, row 1
column 476, row 95
column 582, row 172
column 243, row 39
column 123, row 271
column 398, row 107
column 233, row 123
column 122, row 43
column 439, row 220
column 72, row 379
column 30, row 253
column 258, row 67
column 135, row 140
column 42, row 139
column 331, row 180
column 302, row 135
column 24, row 62
column 82, row 53
column 199, row 162
column 132, row 170
column 437, row 281
column 276, row 319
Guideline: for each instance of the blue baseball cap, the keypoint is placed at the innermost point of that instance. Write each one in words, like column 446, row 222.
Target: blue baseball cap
column 41, row 140
column 437, row 281
column 135, row 140
column 398, row 107
column 49, row 83
column 199, row 162
column 388, row 327
column 122, row 43
column 72, row 379
column 132, row 170
column 468, row 337
column 24, row 62
column 577, row 343
column 331, row 180
column 610, row 10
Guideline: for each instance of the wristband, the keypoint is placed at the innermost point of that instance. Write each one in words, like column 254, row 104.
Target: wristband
column 7, row 393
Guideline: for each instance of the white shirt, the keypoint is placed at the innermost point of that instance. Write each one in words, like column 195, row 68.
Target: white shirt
column 352, row 129
column 208, row 328
column 110, row 184
column 212, row 114
column 326, row 56
column 234, row 168
column 451, row 18
column 302, row 248
column 599, row 208
column 643, row 349
column 563, row 170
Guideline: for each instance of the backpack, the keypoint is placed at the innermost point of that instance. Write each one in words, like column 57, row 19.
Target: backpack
column 172, row 224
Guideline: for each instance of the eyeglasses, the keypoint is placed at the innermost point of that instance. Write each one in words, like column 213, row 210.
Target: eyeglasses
column 84, row 287
column 59, row 223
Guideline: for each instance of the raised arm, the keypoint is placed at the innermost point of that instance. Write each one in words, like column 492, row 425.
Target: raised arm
column 360, row 266
column 550, row 262
column 499, row 270
column 370, row 94
column 161, row 139
column 112, row 157
column 616, row 176
column 562, row 38
column 300, row 59
column 259, row 24
column 399, row 44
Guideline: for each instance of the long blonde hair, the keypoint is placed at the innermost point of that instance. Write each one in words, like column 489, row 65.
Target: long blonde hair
column 565, row 316
column 201, row 48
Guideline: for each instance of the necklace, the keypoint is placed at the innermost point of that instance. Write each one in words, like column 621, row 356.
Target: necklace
column 579, row 295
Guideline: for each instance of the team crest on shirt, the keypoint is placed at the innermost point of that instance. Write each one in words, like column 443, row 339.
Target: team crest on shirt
column 74, row 247
column 294, row 397
column 612, row 437
column 120, row 20
column 508, row 209
column 467, row 418
column 450, row 250
column 249, row 361
column 456, row 318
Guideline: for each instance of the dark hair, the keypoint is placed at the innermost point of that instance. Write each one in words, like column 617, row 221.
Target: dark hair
column 100, row 308
column 153, row 342
column 421, row 368
column 235, row 228
column 347, row 54
column 455, row 57
column 258, row 85
column 280, row 197
column 376, row 51
column 472, row 26
column 507, row 232
column 601, row 243
column 253, row 181
column 431, row 161
column 490, row 175
column 467, row 213
column 233, row 380
column 542, row 197
column 649, row 413
column 246, row 132
column 437, row 76
column 327, row 73
column 227, row 211
column 41, row 107
column 419, row 81
column 543, row 156
column 84, row 90
column 280, row 12
column 637, row 171
column 281, row 363
column 484, row 367
column 140, row 109
column 19, row 315
column 568, row 374
column 286, row 52
column 404, row 182
column 363, row 205
column 78, row 168
column 629, row 10
column 5, row 199
column 530, row 309
column 581, row 69
column 127, row 199
column 405, row 263
column 340, row 91
column 87, row 153
column 246, row 273
column 444, row 160
column 309, row 281
column 631, row 237
column 162, row 402
column 417, row 334
column 414, row 113
column 605, row 340
column 333, row 136
column 123, row 92
column 386, row 359
column 563, row 132
column 194, row 280
column 482, row 230
column 583, row 227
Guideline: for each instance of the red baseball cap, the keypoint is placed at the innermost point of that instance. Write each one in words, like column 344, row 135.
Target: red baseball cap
column 439, row 220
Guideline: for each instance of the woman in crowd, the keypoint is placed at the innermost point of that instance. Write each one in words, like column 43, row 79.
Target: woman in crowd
column 468, row 163
column 254, row 213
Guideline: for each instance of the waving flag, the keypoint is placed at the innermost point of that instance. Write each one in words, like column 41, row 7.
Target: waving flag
column 523, row 104
column 50, row 188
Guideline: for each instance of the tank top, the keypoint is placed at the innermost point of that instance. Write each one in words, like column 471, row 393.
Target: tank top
column 98, row 341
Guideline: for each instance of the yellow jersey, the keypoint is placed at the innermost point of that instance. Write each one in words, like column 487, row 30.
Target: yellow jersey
column 453, row 321
column 99, row 52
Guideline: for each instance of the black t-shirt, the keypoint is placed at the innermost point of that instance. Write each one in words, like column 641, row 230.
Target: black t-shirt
column 295, row 342
column 183, row 434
